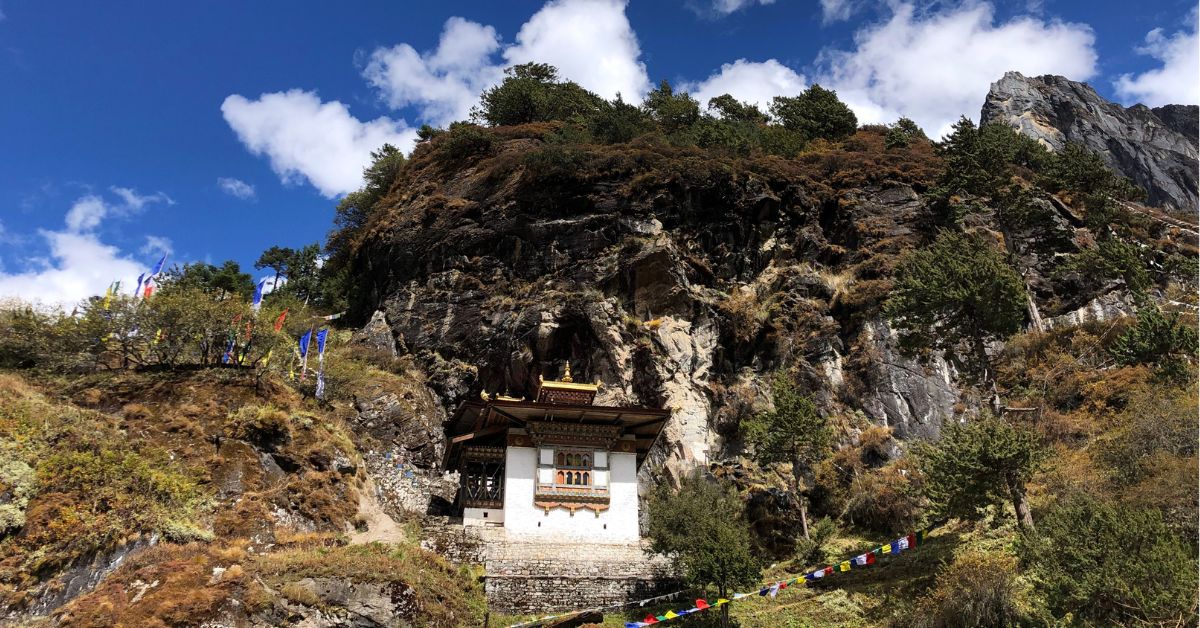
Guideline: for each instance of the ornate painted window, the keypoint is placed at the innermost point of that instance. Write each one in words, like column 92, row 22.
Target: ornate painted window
column 568, row 477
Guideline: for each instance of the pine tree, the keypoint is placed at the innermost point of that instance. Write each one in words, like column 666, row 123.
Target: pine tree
column 959, row 291
column 703, row 527
column 978, row 464
column 794, row 432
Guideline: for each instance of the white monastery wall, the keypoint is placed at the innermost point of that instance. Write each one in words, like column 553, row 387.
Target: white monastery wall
column 525, row 521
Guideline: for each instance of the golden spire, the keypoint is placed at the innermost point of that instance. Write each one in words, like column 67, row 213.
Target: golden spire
column 567, row 373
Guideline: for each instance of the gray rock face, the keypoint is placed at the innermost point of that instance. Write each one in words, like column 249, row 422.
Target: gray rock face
column 1157, row 148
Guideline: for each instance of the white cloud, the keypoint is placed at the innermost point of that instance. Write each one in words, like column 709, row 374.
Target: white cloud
column 79, row 263
column 748, row 81
column 590, row 42
column 134, row 202
column 725, row 7
column 90, row 210
column 236, row 188
column 306, row 139
column 157, row 245
column 837, row 10
column 935, row 67
column 86, row 213
column 1175, row 81
column 442, row 84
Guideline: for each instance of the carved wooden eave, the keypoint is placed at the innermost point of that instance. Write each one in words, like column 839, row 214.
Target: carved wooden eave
column 577, row 434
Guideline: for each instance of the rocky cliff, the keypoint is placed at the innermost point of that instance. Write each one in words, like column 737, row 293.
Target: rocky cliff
column 677, row 278
column 1157, row 148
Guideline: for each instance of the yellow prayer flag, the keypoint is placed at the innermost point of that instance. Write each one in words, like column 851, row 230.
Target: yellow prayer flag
column 670, row 615
column 845, row 566
column 886, row 549
column 721, row 601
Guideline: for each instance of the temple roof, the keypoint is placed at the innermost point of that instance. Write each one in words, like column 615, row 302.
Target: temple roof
column 489, row 420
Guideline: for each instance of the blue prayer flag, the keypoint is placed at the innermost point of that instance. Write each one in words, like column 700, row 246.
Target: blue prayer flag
column 321, row 341
column 304, row 342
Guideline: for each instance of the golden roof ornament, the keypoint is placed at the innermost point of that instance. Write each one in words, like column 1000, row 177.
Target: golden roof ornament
column 567, row 374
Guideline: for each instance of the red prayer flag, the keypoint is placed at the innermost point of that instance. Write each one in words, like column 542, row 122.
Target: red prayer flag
column 912, row 541
column 701, row 604
column 871, row 558
column 650, row 619
column 829, row 571
column 783, row 585
column 279, row 321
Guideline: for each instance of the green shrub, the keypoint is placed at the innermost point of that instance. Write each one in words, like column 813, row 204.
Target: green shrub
column 462, row 141
column 1107, row 565
column 17, row 481
column 978, row 589
column 1160, row 339
column 885, row 500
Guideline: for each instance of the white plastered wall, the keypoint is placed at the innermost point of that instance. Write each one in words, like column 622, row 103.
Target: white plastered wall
column 524, row 521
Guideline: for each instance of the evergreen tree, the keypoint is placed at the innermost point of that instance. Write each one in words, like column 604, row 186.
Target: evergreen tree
column 978, row 464
column 817, row 113
column 730, row 109
column 958, row 291
column 793, row 432
column 902, row 133
column 276, row 258
column 1110, row 565
column 703, row 527
column 532, row 92
column 1157, row 338
column 674, row 112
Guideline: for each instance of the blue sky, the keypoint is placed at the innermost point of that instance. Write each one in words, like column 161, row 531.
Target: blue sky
column 213, row 130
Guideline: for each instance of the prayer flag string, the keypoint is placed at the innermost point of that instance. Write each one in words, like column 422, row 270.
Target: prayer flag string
column 771, row 589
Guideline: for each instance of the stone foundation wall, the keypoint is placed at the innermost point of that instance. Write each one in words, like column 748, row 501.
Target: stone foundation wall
column 550, row 576
column 528, row 578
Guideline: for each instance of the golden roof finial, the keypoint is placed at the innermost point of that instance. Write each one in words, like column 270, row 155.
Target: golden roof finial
column 567, row 373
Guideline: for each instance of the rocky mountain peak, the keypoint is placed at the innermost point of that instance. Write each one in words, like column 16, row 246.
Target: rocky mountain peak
column 1157, row 148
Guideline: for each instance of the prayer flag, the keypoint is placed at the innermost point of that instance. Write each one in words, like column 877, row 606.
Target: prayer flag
column 810, row 576
column 775, row 589
column 650, row 619
column 305, row 340
column 721, row 601
column 912, row 541
column 829, row 571
column 670, row 615
column 763, row 591
column 279, row 321
column 256, row 301
column 921, row 536
column 820, row 573
column 845, row 566
column 321, row 341
column 138, row 290
column 634, row 624
column 159, row 266
column 148, row 288
column 885, row 549
column 896, row 547
column 320, row 393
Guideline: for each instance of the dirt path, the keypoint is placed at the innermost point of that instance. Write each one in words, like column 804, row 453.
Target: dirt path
column 381, row 528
